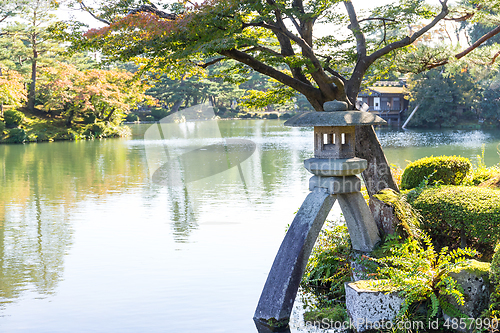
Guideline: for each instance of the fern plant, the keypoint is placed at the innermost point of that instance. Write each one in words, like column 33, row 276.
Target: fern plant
column 418, row 273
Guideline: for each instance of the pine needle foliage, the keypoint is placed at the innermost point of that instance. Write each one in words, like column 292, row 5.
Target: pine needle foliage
column 420, row 274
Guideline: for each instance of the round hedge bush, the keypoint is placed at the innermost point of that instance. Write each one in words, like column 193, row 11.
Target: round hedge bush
column 13, row 118
column 450, row 170
column 447, row 210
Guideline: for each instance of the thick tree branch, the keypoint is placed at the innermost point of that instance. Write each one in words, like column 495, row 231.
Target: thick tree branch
column 318, row 74
column 478, row 42
column 287, row 51
column 260, row 67
column 336, row 74
column 364, row 62
column 468, row 50
column 410, row 39
column 152, row 9
column 356, row 30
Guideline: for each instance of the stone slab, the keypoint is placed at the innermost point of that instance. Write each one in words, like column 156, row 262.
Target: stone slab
column 328, row 167
column 276, row 301
column 359, row 220
column 336, row 185
column 337, row 118
column 369, row 309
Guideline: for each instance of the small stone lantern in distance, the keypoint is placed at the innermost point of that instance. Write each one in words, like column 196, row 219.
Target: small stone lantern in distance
column 334, row 168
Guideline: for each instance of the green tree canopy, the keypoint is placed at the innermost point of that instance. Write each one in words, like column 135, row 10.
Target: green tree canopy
column 274, row 38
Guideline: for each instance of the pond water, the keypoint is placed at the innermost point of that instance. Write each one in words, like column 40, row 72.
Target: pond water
column 89, row 243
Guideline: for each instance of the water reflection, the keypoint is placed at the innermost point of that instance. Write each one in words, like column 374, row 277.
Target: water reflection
column 42, row 184
column 74, row 212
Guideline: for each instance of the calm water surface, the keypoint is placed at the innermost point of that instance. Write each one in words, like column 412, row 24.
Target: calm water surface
column 88, row 243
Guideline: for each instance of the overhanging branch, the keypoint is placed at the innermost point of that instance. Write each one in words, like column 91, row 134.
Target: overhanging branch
column 260, row 67
column 152, row 9
column 88, row 10
column 468, row 50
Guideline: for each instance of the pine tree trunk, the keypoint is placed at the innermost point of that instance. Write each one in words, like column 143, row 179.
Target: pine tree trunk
column 176, row 106
column 32, row 91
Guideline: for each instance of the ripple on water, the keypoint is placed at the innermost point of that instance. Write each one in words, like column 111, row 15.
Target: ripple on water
column 414, row 138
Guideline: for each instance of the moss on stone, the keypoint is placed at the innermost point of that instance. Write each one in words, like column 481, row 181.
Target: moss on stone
column 372, row 285
column 408, row 218
column 477, row 268
column 336, row 314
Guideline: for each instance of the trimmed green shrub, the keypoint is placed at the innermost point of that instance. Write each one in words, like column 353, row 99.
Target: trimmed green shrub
column 273, row 116
column 16, row 135
column 13, row 118
column 448, row 170
column 448, row 211
column 149, row 118
column 132, row 117
column 2, row 127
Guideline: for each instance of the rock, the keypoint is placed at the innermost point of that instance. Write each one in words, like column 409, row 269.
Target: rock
column 369, row 308
column 476, row 285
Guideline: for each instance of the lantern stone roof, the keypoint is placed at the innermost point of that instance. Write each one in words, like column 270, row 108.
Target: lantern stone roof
column 335, row 118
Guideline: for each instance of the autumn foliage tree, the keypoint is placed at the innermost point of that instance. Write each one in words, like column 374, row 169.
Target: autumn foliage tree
column 276, row 38
column 105, row 94
column 12, row 91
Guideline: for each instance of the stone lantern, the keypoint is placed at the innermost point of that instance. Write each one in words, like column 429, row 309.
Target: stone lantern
column 334, row 168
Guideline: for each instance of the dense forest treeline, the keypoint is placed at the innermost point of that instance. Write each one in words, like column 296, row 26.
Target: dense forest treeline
column 50, row 92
